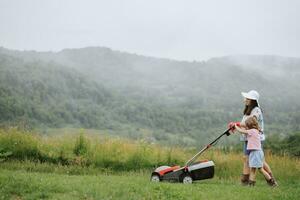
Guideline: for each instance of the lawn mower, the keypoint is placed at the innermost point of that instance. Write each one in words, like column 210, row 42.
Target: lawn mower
column 192, row 170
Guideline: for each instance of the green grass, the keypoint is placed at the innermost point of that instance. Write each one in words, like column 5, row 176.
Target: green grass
column 89, row 166
column 20, row 184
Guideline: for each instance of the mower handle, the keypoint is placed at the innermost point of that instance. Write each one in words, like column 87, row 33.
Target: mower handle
column 188, row 163
column 225, row 133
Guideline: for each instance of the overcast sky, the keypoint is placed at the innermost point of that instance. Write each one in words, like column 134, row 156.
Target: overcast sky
column 182, row 30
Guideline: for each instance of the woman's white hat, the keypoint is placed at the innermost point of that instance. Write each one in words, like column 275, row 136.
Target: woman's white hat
column 254, row 95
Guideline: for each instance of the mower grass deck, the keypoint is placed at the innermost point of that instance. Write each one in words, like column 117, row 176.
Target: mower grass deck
column 192, row 170
column 198, row 171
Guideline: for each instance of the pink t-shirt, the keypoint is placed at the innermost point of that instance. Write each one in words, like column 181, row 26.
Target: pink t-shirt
column 253, row 137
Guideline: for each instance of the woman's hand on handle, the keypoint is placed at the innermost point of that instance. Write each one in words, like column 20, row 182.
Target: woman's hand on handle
column 231, row 126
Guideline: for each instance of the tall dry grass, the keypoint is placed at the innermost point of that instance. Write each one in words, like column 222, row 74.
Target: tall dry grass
column 102, row 152
column 87, row 149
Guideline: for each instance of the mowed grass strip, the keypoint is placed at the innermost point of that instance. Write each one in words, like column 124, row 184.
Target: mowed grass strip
column 31, row 185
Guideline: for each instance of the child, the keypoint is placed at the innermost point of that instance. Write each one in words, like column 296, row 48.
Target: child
column 256, row 156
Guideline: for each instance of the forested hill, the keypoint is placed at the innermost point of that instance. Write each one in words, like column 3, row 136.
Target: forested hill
column 100, row 88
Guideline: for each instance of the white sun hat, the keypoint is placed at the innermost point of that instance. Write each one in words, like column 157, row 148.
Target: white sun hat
column 252, row 94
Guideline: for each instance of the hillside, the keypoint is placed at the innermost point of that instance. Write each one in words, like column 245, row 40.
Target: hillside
column 97, row 87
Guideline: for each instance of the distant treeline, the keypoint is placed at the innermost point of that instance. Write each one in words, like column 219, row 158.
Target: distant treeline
column 102, row 89
column 36, row 93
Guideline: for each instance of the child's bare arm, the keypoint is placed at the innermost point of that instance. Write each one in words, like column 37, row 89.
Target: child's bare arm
column 242, row 125
column 243, row 131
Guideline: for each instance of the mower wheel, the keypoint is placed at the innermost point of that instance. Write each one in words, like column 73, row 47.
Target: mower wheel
column 155, row 178
column 187, row 179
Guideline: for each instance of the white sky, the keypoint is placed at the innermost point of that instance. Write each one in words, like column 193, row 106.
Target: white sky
column 182, row 30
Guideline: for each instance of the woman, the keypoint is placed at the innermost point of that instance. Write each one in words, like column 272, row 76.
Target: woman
column 252, row 108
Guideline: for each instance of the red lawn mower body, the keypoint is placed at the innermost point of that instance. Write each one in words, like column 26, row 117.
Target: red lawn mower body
column 192, row 170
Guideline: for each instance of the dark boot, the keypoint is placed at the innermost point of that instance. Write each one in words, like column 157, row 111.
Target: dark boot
column 245, row 179
column 251, row 183
column 272, row 182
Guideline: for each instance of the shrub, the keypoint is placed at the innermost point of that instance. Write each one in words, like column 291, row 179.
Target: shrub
column 4, row 154
column 81, row 146
column 22, row 145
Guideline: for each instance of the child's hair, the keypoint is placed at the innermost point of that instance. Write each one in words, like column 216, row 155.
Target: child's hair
column 251, row 122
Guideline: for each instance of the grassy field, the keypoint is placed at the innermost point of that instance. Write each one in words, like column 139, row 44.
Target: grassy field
column 87, row 166
column 21, row 184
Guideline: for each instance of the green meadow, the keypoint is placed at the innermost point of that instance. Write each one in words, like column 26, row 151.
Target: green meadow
column 84, row 165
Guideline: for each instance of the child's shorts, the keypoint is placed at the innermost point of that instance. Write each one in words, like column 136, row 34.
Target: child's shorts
column 256, row 158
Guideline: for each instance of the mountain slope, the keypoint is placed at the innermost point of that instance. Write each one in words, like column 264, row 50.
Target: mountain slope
column 97, row 87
